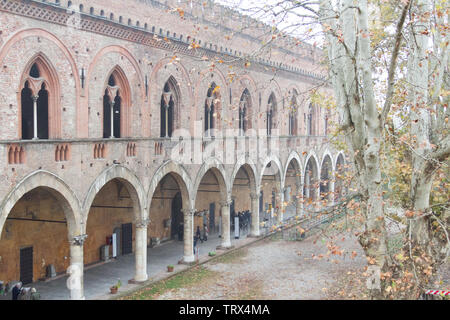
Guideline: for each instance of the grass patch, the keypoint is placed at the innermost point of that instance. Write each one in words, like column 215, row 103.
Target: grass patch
column 182, row 280
column 233, row 257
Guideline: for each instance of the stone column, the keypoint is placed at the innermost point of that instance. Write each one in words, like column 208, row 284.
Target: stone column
column 281, row 207
column 298, row 199
column 75, row 282
column 188, row 256
column 141, row 251
column 112, row 119
column 255, row 215
column 226, row 242
column 35, row 123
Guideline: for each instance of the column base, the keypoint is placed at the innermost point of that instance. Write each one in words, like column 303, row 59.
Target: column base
column 222, row 247
column 254, row 235
column 188, row 259
column 138, row 280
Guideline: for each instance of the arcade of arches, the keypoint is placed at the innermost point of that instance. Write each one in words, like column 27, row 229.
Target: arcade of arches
column 90, row 132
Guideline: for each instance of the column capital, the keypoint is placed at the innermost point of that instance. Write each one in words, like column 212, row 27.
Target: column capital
column 189, row 212
column 226, row 203
column 78, row 240
column 254, row 196
column 142, row 223
column 35, row 97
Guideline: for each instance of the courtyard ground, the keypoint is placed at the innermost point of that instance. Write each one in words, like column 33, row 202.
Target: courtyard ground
column 272, row 269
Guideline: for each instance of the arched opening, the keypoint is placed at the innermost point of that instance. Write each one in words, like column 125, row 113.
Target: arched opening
column 34, row 242
column 112, row 108
column 111, row 225
column 273, row 198
column 37, row 100
column 311, row 121
column 311, row 184
column 245, row 201
column 271, row 114
column 326, row 175
column 245, row 116
column 210, row 192
column 169, row 108
column 293, row 190
column 211, row 109
column 166, row 211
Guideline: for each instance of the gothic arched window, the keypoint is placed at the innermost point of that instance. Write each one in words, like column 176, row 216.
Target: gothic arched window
column 293, row 115
column 112, row 103
column 271, row 109
column 169, row 101
column 211, row 106
column 244, row 109
column 35, row 102
column 310, row 121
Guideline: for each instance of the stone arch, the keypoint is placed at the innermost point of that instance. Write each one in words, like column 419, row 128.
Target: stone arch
column 339, row 157
column 218, row 170
column 311, row 176
column 182, row 178
column 33, row 43
column 130, row 181
column 279, row 174
column 326, row 176
column 120, row 61
column 251, row 171
column 206, row 78
column 327, row 154
column 57, row 187
column 164, row 70
column 294, row 158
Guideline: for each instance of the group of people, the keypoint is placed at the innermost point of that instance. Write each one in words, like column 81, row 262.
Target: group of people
column 244, row 219
column 21, row 293
column 199, row 236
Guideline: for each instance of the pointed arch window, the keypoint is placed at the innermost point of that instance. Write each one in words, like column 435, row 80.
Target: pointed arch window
column 270, row 113
column 244, row 107
column 210, row 109
column 112, row 103
column 293, row 115
column 169, row 102
column 310, row 121
column 37, row 103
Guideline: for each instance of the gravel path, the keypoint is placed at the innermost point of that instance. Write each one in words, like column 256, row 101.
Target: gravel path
column 278, row 269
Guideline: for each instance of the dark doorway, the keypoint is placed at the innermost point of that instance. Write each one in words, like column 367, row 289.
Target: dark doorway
column 26, row 265
column 177, row 217
column 127, row 238
column 212, row 217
